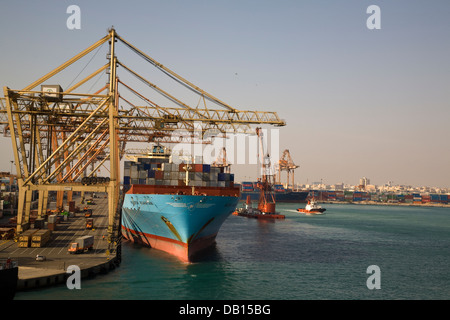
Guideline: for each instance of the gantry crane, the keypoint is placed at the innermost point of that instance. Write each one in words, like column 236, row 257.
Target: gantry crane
column 57, row 134
column 286, row 164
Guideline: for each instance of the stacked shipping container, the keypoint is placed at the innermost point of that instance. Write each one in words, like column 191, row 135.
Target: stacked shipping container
column 151, row 172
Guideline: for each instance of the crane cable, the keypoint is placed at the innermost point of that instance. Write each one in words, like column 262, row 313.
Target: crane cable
column 159, row 67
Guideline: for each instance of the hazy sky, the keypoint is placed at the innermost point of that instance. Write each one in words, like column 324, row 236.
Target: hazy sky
column 357, row 102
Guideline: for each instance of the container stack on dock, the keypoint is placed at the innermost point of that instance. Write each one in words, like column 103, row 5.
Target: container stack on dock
column 52, row 222
column 25, row 238
column 279, row 188
column 360, row 196
column 171, row 174
column 247, row 186
column 40, row 238
column 34, row 238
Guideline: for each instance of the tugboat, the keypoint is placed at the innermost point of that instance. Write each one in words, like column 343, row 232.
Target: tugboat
column 9, row 273
column 312, row 208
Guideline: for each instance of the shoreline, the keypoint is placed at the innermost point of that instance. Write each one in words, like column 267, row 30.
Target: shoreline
column 401, row 204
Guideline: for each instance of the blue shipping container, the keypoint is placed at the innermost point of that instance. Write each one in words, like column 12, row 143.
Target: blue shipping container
column 206, row 168
column 126, row 180
column 151, row 174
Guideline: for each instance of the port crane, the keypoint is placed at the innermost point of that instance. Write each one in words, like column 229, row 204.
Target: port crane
column 286, row 164
column 57, row 135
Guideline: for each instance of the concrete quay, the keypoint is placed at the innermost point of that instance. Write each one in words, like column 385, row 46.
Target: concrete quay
column 53, row 270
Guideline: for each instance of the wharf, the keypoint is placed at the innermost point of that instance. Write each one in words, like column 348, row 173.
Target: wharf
column 52, row 271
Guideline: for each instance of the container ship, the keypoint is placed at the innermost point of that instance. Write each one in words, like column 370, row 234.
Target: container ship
column 176, row 208
column 280, row 193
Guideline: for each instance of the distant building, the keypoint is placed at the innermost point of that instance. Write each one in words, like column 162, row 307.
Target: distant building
column 364, row 181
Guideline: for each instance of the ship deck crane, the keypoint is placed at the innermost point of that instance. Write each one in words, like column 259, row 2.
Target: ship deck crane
column 221, row 160
column 56, row 135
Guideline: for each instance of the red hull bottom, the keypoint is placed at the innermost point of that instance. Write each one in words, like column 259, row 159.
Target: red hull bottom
column 311, row 211
column 181, row 250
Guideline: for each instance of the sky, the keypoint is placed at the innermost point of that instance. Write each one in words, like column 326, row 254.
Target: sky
column 358, row 102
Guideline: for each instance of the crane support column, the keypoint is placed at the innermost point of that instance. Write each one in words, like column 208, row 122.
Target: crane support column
column 113, row 188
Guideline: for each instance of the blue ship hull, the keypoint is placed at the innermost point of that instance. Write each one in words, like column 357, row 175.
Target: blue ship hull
column 182, row 225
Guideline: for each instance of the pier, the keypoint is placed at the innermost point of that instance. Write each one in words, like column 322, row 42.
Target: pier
column 52, row 270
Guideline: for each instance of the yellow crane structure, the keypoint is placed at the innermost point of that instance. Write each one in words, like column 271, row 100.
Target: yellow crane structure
column 286, row 164
column 58, row 135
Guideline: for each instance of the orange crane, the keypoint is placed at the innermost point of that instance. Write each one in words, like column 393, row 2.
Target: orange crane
column 266, row 203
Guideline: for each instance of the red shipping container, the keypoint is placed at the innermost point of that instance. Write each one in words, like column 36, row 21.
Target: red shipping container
column 159, row 175
column 198, row 167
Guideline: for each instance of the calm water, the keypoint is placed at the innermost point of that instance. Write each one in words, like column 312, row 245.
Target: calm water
column 302, row 257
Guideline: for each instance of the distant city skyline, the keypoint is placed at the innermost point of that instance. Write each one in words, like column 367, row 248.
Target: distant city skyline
column 357, row 101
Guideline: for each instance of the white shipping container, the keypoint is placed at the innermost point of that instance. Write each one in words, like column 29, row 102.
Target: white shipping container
column 173, row 182
column 167, row 175
column 174, row 175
